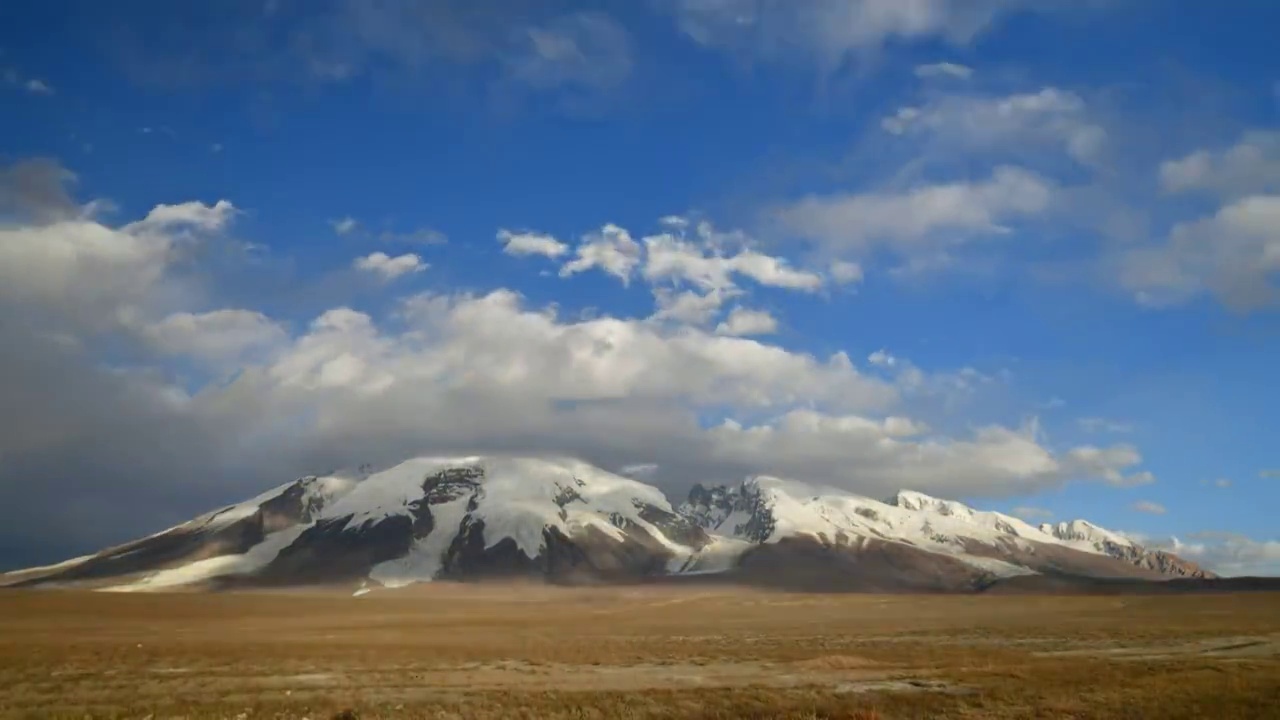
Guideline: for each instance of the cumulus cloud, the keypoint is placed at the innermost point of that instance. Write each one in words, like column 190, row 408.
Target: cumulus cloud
column 611, row 250
column 1233, row 255
column 944, row 69
column 829, row 32
column 34, row 86
column 671, row 258
column 387, row 267
column 511, row 52
column 584, row 56
column 882, row 358
column 100, row 446
column 1012, row 123
column 345, row 225
column 743, row 322
column 35, row 190
column 688, row 306
column 845, row 272
column 905, row 222
column 531, row 243
column 1149, row 507
column 1250, row 166
column 217, row 336
column 94, row 277
column 1032, row 514
column 1227, row 554
column 891, row 454
column 1109, row 464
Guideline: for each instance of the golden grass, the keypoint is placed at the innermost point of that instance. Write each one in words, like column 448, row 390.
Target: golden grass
column 518, row 651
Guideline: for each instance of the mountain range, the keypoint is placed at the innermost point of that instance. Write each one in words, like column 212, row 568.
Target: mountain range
column 566, row 521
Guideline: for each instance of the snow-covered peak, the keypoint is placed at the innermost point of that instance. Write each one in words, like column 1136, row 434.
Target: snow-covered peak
column 1083, row 531
column 520, row 483
column 912, row 500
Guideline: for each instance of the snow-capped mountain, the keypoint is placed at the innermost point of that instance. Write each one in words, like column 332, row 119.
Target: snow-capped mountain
column 765, row 510
column 564, row 520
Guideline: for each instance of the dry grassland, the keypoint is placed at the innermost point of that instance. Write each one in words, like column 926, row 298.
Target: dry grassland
column 517, row 651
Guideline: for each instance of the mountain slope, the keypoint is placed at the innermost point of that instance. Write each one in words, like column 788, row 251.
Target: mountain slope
column 765, row 510
column 567, row 521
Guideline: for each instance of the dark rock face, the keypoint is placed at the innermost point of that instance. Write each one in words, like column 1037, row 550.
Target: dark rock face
column 591, row 556
column 332, row 550
column 335, row 549
column 295, row 506
column 1167, row 564
column 675, row 526
column 710, row 507
column 1160, row 561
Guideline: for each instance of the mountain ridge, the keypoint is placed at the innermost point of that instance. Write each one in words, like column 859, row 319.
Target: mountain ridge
column 564, row 520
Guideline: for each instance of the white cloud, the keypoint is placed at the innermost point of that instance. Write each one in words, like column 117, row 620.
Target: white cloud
column 388, row 267
column 1108, row 464
column 742, row 322
column 1103, row 425
column 94, row 276
column 1233, row 255
column 530, row 243
column 1250, row 166
column 689, row 306
column 773, row 272
column 1269, row 474
column 443, row 373
column 1149, row 507
column 639, row 470
column 671, row 258
column 1032, row 514
column 193, row 214
column 345, row 225
column 891, row 455
column 845, row 272
column 906, row 221
column 944, row 69
column 611, row 250
column 350, row 227
column 828, row 32
column 34, row 86
column 1227, row 554
column 217, row 336
column 38, row 87
column 882, row 358
column 1220, row 483
column 582, row 51
column 1013, row 123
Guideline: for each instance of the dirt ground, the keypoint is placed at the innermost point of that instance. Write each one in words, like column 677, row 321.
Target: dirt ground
column 531, row 651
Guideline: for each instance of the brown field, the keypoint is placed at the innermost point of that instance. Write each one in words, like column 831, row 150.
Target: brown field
column 515, row 651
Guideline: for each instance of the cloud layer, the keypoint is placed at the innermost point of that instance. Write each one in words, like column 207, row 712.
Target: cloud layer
column 143, row 436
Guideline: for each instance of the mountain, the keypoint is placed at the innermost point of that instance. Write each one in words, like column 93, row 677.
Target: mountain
column 566, row 521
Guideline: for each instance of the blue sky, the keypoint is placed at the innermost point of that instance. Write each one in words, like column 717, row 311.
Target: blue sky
column 1057, row 221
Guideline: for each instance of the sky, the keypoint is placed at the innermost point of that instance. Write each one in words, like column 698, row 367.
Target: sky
column 1020, row 254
